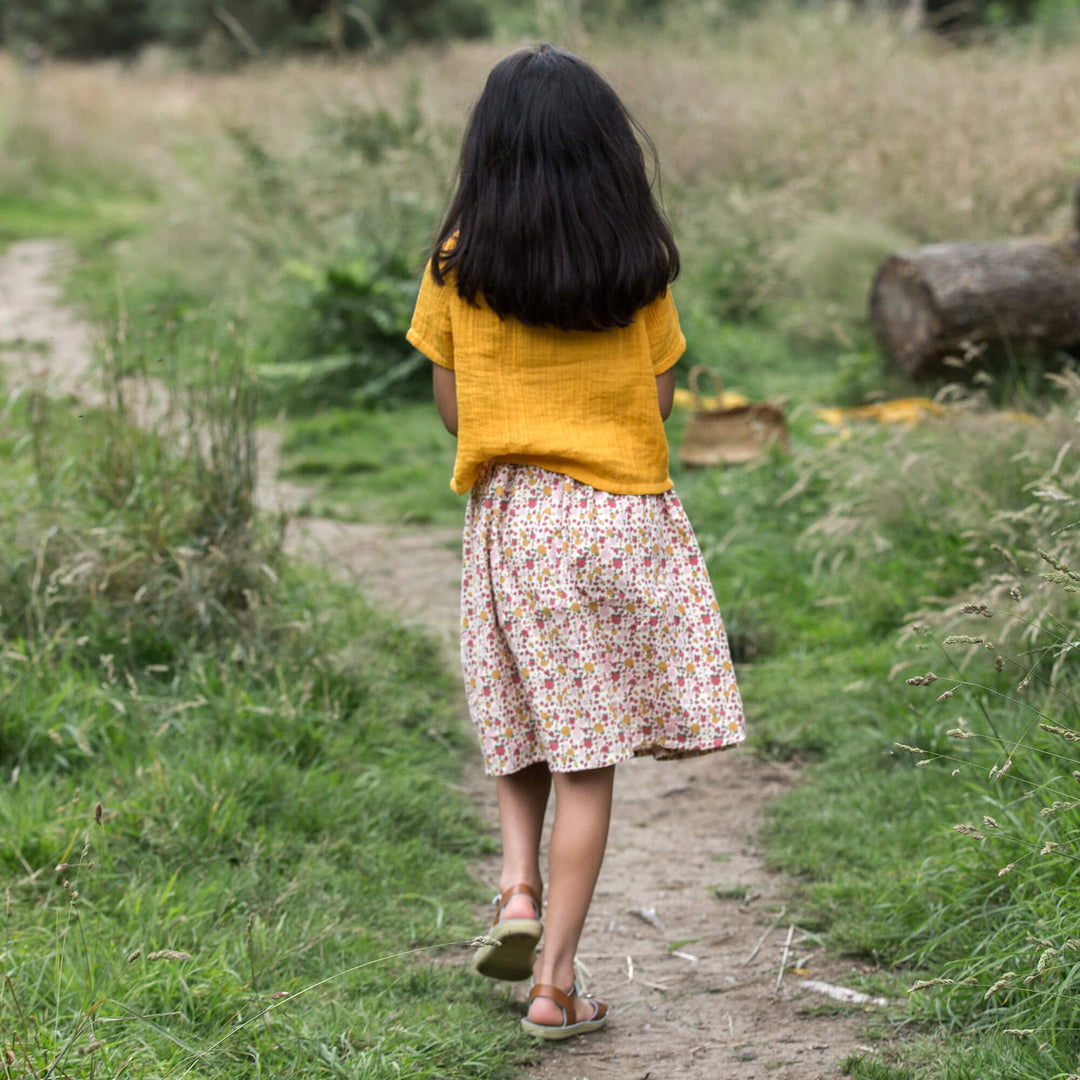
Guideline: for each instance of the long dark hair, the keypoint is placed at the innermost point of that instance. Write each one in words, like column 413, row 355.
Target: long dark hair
column 554, row 221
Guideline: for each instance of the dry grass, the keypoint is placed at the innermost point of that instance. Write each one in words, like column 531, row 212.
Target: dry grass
column 932, row 140
column 797, row 113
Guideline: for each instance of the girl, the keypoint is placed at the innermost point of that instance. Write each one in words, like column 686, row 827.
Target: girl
column 589, row 629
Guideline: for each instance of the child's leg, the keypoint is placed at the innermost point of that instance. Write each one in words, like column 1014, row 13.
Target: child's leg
column 578, row 840
column 523, row 798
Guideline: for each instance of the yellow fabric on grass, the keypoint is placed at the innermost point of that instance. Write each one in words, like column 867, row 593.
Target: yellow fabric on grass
column 578, row 403
column 898, row 411
column 729, row 399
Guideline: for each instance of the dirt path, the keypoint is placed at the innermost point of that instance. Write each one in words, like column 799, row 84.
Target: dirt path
column 687, row 936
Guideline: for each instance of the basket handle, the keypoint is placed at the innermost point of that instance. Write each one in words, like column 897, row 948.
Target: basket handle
column 695, row 373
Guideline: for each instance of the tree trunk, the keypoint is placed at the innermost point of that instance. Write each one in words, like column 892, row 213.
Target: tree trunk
column 959, row 301
column 914, row 17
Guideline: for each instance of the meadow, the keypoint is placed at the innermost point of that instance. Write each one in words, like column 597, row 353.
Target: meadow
column 265, row 750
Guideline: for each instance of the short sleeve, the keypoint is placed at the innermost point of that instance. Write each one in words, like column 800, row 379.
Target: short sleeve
column 666, row 340
column 431, row 331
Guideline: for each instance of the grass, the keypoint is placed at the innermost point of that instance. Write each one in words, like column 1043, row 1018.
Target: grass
column 227, row 843
column 56, row 190
column 272, row 826
column 293, row 201
column 376, row 465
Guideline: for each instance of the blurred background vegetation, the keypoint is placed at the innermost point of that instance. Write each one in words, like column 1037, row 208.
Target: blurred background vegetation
column 250, row 189
column 213, row 32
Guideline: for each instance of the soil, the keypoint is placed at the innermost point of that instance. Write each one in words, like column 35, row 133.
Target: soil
column 688, row 938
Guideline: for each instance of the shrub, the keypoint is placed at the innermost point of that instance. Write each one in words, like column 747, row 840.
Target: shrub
column 357, row 315
column 242, row 29
column 137, row 532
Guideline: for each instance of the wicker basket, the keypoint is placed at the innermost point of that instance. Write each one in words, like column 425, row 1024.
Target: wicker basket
column 730, row 436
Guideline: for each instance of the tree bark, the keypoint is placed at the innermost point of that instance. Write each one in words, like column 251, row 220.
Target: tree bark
column 1015, row 298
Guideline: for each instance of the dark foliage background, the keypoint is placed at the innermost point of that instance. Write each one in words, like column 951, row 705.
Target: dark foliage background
column 222, row 32
column 241, row 28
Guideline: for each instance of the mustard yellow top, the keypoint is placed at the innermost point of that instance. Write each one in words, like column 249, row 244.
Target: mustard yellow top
column 580, row 403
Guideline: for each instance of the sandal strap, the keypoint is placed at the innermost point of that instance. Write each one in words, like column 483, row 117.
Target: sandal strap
column 565, row 1001
column 515, row 890
column 560, row 997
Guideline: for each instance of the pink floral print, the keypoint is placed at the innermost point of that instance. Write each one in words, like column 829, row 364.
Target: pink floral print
column 589, row 628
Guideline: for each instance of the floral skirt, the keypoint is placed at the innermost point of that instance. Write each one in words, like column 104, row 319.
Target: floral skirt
column 589, row 628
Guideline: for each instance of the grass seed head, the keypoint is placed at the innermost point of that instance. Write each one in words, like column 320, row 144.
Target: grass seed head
column 960, row 733
column 924, row 984
column 946, row 695
column 922, row 680
column 997, row 773
column 482, row 940
column 168, row 954
column 1047, row 957
column 1004, row 552
column 1000, row 984
column 1006, row 869
column 1066, row 733
column 988, row 820
column 1058, row 565
column 969, row 830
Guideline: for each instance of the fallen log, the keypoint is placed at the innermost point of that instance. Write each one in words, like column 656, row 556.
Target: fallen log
column 946, row 303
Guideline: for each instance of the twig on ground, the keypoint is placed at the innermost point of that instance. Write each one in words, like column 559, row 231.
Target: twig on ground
column 647, row 914
column 761, row 940
column 784, row 958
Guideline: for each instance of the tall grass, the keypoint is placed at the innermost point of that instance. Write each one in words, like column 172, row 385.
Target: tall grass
column 944, row 813
column 140, row 519
column 226, row 842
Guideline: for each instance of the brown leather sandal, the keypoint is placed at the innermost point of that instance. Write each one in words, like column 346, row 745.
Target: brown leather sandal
column 565, row 1001
column 512, row 958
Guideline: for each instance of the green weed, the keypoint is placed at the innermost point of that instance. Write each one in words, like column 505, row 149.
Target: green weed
column 378, row 465
column 864, row 1067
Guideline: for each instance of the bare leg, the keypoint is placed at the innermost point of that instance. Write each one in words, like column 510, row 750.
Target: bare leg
column 523, row 798
column 576, row 851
